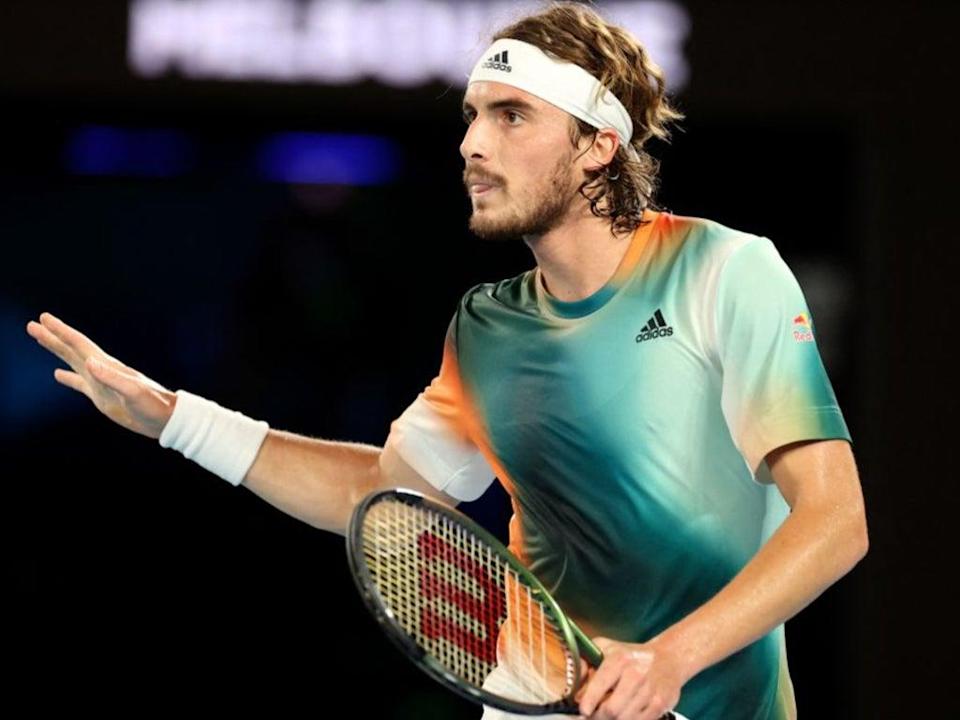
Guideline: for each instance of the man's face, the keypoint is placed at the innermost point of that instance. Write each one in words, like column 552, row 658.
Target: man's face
column 520, row 170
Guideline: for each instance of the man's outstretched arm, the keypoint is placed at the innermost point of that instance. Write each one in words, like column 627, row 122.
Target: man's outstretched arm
column 317, row 481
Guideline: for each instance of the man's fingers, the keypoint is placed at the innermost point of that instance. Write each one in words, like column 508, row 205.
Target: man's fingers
column 113, row 378
column 54, row 344
column 649, row 705
column 72, row 380
column 74, row 339
column 655, row 708
column 604, row 680
column 111, row 361
column 631, row 691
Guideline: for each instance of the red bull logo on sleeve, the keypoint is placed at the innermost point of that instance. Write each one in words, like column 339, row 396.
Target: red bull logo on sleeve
column 802, row 330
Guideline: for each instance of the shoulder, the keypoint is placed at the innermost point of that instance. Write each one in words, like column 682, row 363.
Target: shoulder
column 708, row 242
column 511, row 292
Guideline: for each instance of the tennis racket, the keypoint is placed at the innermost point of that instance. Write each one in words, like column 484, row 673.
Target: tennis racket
column 463, row 608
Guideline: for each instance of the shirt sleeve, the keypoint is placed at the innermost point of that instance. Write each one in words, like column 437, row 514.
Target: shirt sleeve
column 775, row 387
column 432, row 434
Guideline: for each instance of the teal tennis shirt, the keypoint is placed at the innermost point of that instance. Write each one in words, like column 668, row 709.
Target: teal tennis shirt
column 630, row 430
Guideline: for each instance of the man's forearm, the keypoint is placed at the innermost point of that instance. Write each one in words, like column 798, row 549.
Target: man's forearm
column 808, row 553
column 317, row 481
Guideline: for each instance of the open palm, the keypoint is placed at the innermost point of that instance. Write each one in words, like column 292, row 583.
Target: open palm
column 124, row 395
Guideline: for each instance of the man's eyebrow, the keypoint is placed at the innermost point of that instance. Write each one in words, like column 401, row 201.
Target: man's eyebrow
column 514, row 103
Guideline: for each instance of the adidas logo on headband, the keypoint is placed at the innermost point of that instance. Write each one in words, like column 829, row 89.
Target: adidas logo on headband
column 497, row 62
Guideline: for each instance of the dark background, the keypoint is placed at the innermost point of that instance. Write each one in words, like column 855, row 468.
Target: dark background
column 322, row 309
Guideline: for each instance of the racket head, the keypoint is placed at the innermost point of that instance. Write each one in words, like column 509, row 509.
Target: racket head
column 453, row 599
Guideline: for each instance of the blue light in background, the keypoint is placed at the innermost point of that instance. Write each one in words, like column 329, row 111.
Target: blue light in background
column 328, row 159
column 112, row 151
column 289, row 157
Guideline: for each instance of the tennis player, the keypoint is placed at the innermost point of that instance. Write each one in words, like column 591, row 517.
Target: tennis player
column 650, row 394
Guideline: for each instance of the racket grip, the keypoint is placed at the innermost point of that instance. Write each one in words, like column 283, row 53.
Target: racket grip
column 588, row 650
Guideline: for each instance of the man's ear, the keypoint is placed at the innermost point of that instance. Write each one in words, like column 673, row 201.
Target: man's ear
column 604, row 147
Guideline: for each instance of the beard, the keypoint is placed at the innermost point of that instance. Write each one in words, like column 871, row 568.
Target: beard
column 554, row 203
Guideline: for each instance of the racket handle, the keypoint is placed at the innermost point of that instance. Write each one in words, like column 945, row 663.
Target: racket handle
column 588, row 650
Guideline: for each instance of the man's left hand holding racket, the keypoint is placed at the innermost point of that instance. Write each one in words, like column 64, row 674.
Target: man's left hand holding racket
column 633, row 677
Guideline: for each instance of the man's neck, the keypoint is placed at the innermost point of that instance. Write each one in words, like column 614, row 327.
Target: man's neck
column 578, row 258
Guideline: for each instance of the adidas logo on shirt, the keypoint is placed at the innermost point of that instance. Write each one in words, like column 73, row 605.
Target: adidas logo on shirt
column 655, row 328
column 499, row 62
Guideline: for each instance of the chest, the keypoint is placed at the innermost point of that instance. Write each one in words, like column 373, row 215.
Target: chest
column 640, row 365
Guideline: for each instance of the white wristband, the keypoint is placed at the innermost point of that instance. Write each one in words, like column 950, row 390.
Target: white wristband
column 223, row 441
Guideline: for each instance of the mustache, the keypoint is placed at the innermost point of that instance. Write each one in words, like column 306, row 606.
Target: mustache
column 471, row 176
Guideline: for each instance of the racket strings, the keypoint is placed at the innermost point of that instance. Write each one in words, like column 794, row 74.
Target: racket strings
column 531, row 647
column 463, row 604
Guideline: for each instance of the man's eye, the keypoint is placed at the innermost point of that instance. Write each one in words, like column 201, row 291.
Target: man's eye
column 467, row 118
column 512, row 117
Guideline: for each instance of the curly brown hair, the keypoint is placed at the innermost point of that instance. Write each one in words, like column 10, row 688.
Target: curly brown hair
column 574, row 32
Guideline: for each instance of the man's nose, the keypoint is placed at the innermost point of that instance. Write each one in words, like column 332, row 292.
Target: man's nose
column 474, row 145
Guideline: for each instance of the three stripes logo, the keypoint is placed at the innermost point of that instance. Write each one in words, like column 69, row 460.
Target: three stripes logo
column 500, row 61
column 655, row 328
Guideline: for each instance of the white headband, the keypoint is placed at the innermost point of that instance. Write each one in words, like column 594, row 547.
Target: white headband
column 568, row 86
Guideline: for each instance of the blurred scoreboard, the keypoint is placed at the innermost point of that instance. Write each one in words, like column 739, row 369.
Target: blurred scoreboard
column 400, row 43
